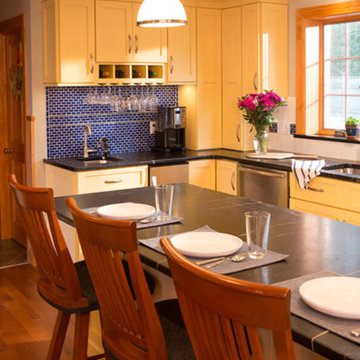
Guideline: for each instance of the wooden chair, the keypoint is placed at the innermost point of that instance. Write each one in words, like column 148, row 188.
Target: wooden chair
column 222, row 314
column 129, row 330
column 64, row 285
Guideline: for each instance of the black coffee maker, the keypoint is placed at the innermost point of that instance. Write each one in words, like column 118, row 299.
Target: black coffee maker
column 170, row 129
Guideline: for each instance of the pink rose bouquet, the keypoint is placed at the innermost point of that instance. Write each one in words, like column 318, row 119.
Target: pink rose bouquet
column 258, row 111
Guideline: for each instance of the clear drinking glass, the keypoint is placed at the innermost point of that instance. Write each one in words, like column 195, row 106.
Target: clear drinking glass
column 257, row 233
column 163, row 201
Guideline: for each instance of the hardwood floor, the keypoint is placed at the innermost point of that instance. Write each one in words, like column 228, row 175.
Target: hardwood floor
column 11, row 253
column 26, row 320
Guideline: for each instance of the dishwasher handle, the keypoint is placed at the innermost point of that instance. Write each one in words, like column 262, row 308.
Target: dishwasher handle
column 259, row 172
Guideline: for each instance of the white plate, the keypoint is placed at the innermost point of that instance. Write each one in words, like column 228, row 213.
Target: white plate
column 126, row 211
column 335, row 295
column 206, row 244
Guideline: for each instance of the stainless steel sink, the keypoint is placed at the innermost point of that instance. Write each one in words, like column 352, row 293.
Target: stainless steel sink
column 352, row 169
column 98, row 160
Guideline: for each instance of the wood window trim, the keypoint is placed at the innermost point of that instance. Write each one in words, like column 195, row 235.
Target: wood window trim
column 308, row 17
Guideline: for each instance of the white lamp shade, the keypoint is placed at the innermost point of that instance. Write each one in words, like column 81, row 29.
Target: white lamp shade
column 161, row 13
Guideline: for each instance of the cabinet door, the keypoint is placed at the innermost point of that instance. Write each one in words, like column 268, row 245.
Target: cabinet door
column 209, row 78
column 250, row 48
column 274, row 37
column 77, row 45
column 114, row 40
column 182, row 51
column 226, row 176
column 149, row 45
column 202, row 173
column 231, row 69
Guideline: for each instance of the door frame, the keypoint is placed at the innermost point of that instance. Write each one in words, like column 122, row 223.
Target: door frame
column 19, row 22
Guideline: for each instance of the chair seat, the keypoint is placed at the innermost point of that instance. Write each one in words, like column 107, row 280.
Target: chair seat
column 88, row 291
column 177, row 340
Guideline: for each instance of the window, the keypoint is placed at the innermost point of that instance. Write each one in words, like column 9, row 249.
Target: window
column 328, row 67
column 341, row 97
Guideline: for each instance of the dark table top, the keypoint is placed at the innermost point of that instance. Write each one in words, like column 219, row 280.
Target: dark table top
column 313, row 243
column 153, row 158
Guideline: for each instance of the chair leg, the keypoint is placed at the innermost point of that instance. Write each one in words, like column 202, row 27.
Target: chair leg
column 58, row 336
column 81, row 336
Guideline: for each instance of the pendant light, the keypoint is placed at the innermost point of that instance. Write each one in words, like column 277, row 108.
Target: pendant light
column 161, row 13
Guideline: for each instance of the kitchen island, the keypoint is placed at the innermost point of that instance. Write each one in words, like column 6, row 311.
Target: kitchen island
column 313, row 243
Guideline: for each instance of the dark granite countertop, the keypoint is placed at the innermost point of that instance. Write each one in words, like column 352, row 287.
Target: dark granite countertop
column 313, row 243
column 158, row 158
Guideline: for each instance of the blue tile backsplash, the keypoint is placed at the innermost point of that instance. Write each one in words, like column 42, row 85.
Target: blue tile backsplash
column 66, row 115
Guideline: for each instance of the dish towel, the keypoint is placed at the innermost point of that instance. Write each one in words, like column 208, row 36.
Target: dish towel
column 305, row 171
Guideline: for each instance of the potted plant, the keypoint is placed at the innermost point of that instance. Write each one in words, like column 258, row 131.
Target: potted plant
column 352, row 127
column 258, row 111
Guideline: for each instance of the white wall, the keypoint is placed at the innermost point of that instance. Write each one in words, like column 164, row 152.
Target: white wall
column 286, row 142
column 36, row 90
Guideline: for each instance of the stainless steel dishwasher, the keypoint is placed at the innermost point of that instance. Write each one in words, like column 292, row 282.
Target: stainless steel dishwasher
column 264, row 184
column 170, row 173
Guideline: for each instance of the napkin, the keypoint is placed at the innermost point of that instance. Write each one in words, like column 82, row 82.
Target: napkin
column 305, row 171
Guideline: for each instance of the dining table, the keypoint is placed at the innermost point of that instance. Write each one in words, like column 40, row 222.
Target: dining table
column 313, row 244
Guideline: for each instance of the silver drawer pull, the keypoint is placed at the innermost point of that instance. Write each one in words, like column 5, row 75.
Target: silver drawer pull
column 112, row 181
column 314, row 189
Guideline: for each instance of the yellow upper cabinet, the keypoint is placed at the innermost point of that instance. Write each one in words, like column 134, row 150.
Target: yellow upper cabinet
column 231, row 78
column 255, row 58
column 114, row 31
column 182, row 51
column 69, row 46
column 203, row 102
column 119, row 39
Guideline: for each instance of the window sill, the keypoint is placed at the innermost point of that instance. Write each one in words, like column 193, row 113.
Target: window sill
column 328, row 138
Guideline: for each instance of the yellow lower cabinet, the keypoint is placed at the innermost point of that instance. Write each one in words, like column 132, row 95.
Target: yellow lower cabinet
column 350, row 217
column 202, row 173
column 226, row 176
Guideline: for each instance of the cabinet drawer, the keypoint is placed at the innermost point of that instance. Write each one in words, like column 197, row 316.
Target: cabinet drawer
column 322, row 190
column 114, row 179
column 350, row 217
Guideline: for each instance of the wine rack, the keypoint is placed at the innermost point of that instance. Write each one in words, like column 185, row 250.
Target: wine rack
column 131, row 74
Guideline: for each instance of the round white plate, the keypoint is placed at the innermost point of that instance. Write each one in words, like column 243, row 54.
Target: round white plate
column 126, row 211
column 335, row 295
column 206, row 244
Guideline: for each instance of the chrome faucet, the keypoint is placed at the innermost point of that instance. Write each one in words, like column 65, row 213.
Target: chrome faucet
column 87, row 130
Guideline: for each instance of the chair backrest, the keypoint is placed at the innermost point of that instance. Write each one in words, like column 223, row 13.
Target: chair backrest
column 58, row 280
column 128, row 328
column 222, row 314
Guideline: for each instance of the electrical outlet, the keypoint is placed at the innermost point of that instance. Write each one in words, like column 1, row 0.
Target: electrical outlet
column 152, row 127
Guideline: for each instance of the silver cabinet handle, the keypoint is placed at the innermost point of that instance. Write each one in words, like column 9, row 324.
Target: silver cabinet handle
column 92, row 60
column 171, row 64
column 232, row 180
column 136, row 44
column 112, row 181
column 238, row 133
column 130, row 44
column 314, row 189
column 9, row 150
column 264, row 173
column 255, row 81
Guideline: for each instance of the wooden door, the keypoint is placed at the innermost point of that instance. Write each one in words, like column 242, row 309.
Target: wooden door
column 182, row 51
column 202, row 173
column 226, row 176
column 114, row 39
column 209, row 78
column 77, row 41
column 231, row 60
column 12, row 128
column 149, row 45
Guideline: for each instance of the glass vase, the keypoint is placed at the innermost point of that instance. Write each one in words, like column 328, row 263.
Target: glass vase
column 261, row 140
